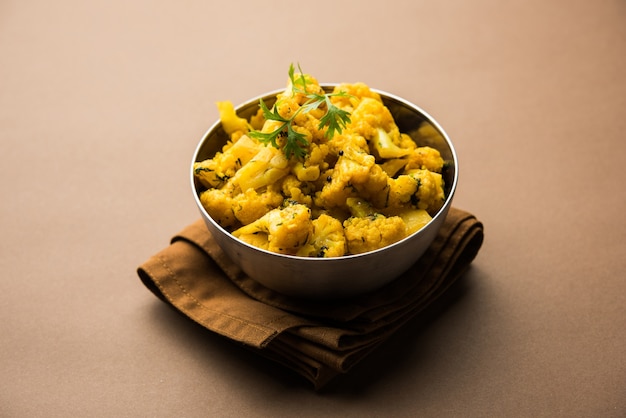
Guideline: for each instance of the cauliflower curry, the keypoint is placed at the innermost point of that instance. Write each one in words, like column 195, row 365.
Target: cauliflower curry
column 286, row 184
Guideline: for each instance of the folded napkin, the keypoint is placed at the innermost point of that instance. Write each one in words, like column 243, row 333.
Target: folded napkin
column 318, row 340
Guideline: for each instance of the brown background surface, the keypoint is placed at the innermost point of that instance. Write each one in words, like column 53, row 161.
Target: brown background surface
column 102, row 104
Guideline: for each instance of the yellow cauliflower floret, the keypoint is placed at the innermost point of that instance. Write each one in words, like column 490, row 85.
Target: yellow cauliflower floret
column 312, row 86
column 375, row 189
column 230, row 209
column 232, row 124
column 285, row 229
column 372, row 120
column 355, row 92
column 313, row 165
column 391, row 145
column 266, row 167
column 251, row 204
column 295, row 190
column 384, row 147
column 214, row 172
column 287, row 106
column 351, row 168
column 425, row 158
column 430, row 195
column 421, row 189
column 219, row 205
column 354, row 174
column 306, row 173
column 370, row 115
column 346, row 141
column 309, row 124
column 401, row 191
column 327, row 240
column 372, row 232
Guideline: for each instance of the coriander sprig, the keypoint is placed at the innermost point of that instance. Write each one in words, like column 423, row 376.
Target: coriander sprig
column 334, row 120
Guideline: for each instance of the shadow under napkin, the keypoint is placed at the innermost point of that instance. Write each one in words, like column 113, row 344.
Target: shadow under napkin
column 317, row 340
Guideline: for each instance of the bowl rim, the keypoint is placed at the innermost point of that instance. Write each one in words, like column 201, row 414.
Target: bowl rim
column 385, row 96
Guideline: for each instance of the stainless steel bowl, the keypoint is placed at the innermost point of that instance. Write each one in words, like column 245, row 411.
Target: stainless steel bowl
column 342, row 277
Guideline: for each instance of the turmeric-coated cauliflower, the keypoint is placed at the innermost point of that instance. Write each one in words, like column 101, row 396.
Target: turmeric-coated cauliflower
column 229, row 209
column 283, row 230
column 264, row 168
column 430, row 194
column 232, row 124
column 425, row 158
column 356, row 183
column 355, row 174
column 422, row 189
column 373, row 232
column 327, row 240
column 214, row 172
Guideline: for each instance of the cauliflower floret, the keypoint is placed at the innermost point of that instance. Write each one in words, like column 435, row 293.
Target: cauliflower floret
column 214, row 172
column 252, row 204
column 230, row 209
column 354, row 93
column 383, row 145
column 313, row 164
column 368, row 116
column 232, row 124
column 286, row 106
column 347, row 140
column 414, row 219
column 372, row 232
column 327, row 240
column 306, row 172
column 430, row 195
column 355, row 174
column 374, row 122
column 425, row 158
column 401, row 191
column 219, row 204
column 284, row 230
column 266, row 167
column 341, row 181
column 421, row 189
column 309, row 124
column 296, row 191
column 311, row 83
column 376, row 188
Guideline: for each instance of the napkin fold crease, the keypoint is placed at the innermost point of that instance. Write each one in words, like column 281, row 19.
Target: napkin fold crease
column 317, row 340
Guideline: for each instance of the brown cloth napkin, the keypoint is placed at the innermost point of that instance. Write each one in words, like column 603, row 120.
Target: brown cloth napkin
column 318, row 340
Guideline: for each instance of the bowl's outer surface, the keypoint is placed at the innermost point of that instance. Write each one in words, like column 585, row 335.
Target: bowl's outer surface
column 332, row 278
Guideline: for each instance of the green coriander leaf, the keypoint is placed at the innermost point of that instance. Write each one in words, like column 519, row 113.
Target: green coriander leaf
column 298, row 84
column 268, row 137
column 335, row 119
column 315, row 100
column 296, row 143
column 268, row 114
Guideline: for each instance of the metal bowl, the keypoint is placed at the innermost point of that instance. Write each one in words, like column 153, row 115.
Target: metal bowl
column 341, row 277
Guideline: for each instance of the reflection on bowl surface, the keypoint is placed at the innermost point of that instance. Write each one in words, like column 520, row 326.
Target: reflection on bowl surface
column 339, row 277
